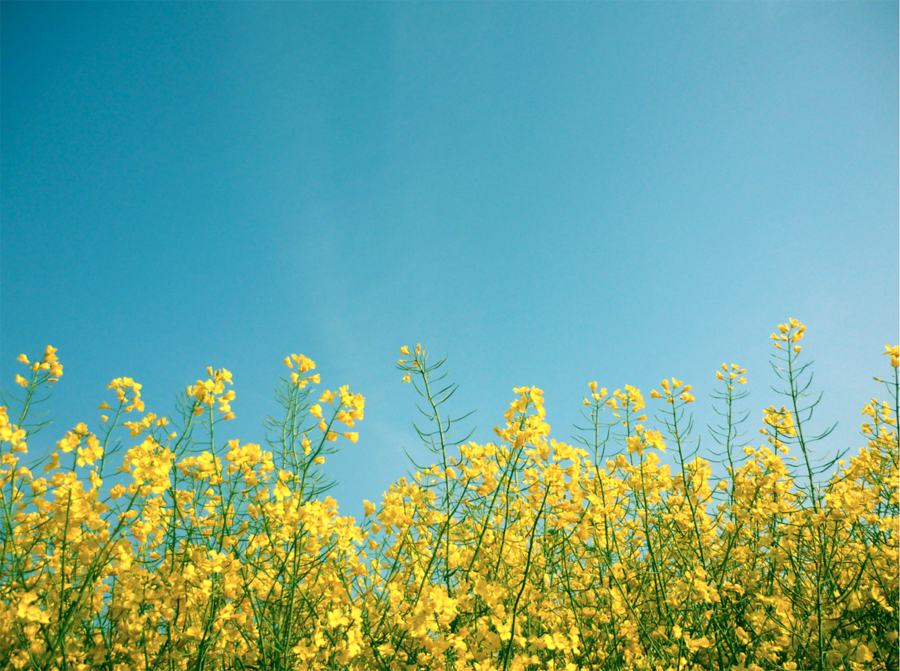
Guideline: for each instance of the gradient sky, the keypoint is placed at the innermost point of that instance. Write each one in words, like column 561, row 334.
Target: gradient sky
column 548, row 193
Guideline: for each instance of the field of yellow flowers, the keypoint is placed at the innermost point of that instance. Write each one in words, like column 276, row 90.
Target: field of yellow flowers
column 146, row 544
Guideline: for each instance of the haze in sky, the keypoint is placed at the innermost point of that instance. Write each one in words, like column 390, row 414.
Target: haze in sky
column 550, row 194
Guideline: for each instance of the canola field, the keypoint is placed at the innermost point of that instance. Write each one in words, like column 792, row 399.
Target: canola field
column 142, row 543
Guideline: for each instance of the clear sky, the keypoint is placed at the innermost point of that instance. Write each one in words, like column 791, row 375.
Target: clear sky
column 548, row 193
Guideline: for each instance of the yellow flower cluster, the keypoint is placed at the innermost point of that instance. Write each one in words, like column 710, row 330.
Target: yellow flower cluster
column 48, row 369
column 211, row 391
column 787, row 334
column 527, row 553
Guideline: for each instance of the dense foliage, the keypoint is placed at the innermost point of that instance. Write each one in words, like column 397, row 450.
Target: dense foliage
column 147, row 544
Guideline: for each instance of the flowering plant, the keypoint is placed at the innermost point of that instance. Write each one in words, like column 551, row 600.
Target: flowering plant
column 524, row 553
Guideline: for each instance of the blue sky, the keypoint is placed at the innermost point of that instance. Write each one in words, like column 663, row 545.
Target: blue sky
column 548, row 193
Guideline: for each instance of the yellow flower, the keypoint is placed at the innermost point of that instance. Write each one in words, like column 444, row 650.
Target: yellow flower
column 351, row 436
column 27, row 610
column 403, row 350
column 88, row 455
column 654, row 439
column 303, row 363
column 23, row 359
column 282, row 491
column 21, row 381
column 634, row 444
